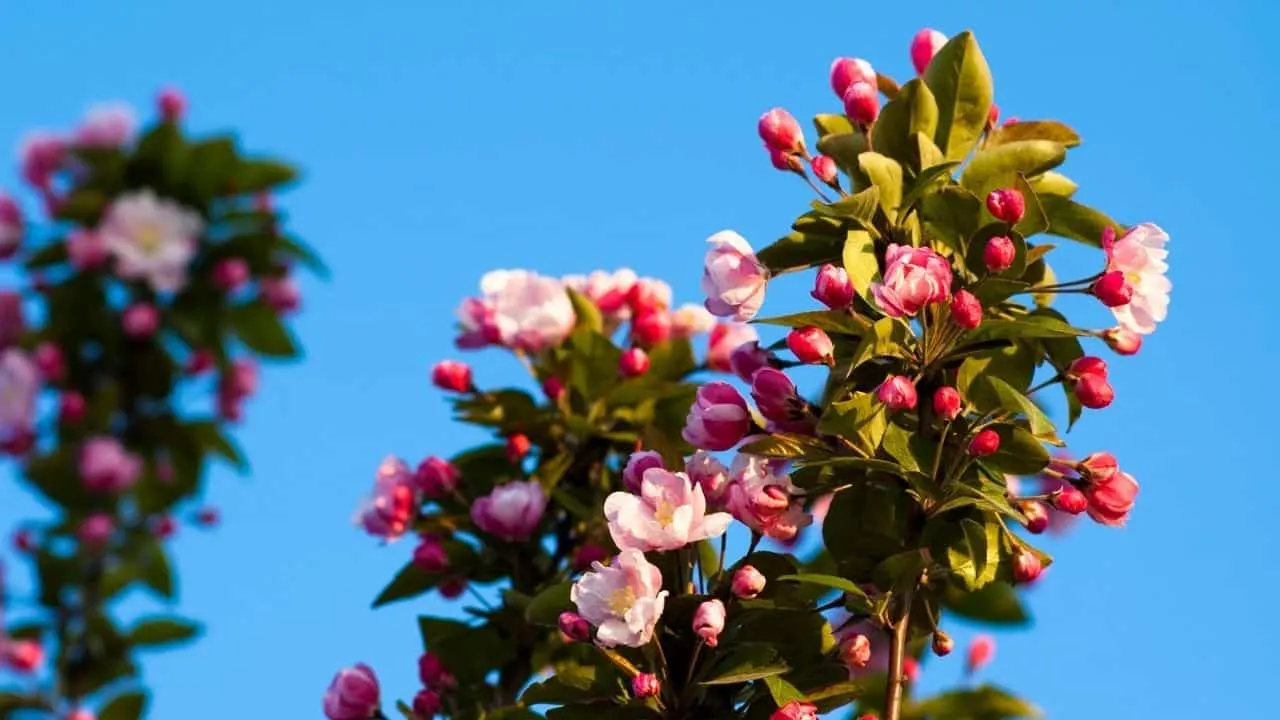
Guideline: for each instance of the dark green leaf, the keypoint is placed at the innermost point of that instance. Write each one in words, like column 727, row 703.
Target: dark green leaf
column 844, row 148
column 162, row 631
column 743, row 663
column 410, row 582
column 574, row 684
column 787, row 445
column 832, row 581
column 995, row 603
column 926, row 181
column 546, row 606
column 951, row 214
column 154, row 569
column 470, row 653
column 213, row 440
column 259, row 328
column 961, row 83
column 257, row 175
column 1041, row 426
column 126, row 706
column 983, row 703
column 1020, row 452
column 869, row 520
column 782, row 691
column 1034, row 130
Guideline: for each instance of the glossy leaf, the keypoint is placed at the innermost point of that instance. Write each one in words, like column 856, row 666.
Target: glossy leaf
column 1034, row 130
column 996, row 603
column 885, row 174
column 588, row 315
column 125, row 706
column 961, row 83
column 914, row 110
column 860, row 262
column 800, row 250
column 162, row 631
column 1041, row 426
column 745, row 662
column 1071, row 220
column 999, row 166
column 546, row 606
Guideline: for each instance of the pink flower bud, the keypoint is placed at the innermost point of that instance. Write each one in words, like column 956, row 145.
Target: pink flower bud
column 1122, row 341
column 430, row 556
column 1113, row 289
column 645, row 685
column 984, row 443
column 993, row 116
column 748, row 582
column 199, row 362
column 230, row 273
column 553, row 388
column 48, row 359
column 23, row 540
column 41, row 157
column 981, row 652
column 636, row 466
column 86, row 250
column 634, row 363
column 780, row 131
column 71, row 407
column 518, row 447
column 824, row 168
column 924, row 46
column 140, row 321
column 1098, row 466
column 708, row 622
column 998, row 254
column 942, row 644
column 353, row 694
column 81, row 714
column 22, row 656
column 281, row 293
column 648, row 295
column 796, row 710
column 452, row 375
column 724, row 340
column 10, row 227
column 1037, row 516
column 783, row 161
column 453, row 588
column 832, row 287
column 163, row 527
column 1006, row 205
column 106, row 467
column 862, row 103
column 776, row 397
column 897, row 393
column 587, row 555
column 718, row 418
column 1026, row 567
column 574, row 627
column 436, row 477
column 1093, row 391
column 847, row 71
column 947, row 403
column 811, row 345
column 651, row 328
column 1111, row 498
column 12, row 322
column 172, row 104
column 432, row 673
column 1069, row 500
column 855, row 650
column 966, row 310
column 1087, row 365
column 208, row 517
column 426, row 704
column 512, row 511
column 747, row 358
column 95, row 531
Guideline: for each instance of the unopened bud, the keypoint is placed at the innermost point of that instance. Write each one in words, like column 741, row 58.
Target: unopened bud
column 1098, row 466
column 71, row 407
column 993, row 116
column 1006, row 205
column 1037, row 516
column 942, row 644
column 651, row 328
column 518, row 447
column 1087, row 365
column 966, row 310
column 780, row 131
column 645, row 685
column 1093, row 391
column 847, row 71
column 452, row 375
column 1122, row 340
column 998, row 254
column 924, row 46
column 832, row 287
column 230, row 273
column 825, row 169
column 897, row 393
column 862, row 103
column 855, row 650
column 1113, row 289
column 140, row 321
column 553, row 388
column 574, row 627
column 748, row 582
column 947, row 403
column 1026, row 566
column 172, row 104
column 633, row 363
column 984, row 443
column 811, row 345
column 1069, row 500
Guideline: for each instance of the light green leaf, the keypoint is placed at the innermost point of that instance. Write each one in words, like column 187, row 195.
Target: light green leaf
column 1014, row 364
column 1041, row 426
column 861, row 263
column 832, row 581
column 1052, row 183
column 885, row 174
column 829, row 124
column 913, row 111
column 588, row 314
column 1071, row 220
column 844, row 148
column 1020, row 452
column 961, row 83
column 889, row 337
column 999, row 167
column 782, row 691
column 787, row 445
column 986, row 702
column 1034, row 130
column 951, row 214
column 833, row 321
column 926, row 180
column 860, row 420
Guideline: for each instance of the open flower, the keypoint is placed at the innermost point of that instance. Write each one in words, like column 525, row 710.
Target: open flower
column 512, row 511
column 725, row 338
column 608, row 291
column 762, row 498
column 669, row 513
column 718, row 418
column 1140, row 255
column 623, row 600
column 151, row 238
column 353, row 694
column 732, row 278
column 913, row 278
column 391, row 508
column 529, row 312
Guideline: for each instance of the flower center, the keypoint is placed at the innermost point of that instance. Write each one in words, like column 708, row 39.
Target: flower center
column 664, row 512
column 621, row 601
column 149, row 238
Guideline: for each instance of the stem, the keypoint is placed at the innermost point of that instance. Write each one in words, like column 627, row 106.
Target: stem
column 897, row 651
column 937, row 456
column 816, row 189
column 1044, row 384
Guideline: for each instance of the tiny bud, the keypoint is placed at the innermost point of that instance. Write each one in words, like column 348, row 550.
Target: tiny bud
column 22, row 656
column 71, row 407
column 230, row 273
column 781, row 160
column 1037, row 516
column 855, row 650
column 811, row 345
column 208, row 517
column 140, row 321
column 1026, row 567
column 947, row 403
column 553, row 388
column 780, row 131
column 984, row 443
column 1093, row 391
column 634, row 363
column 574, row 627
column 1113, row 289
column 518, row 447
column 48, row 359
column 23, row 540
column 645, row 685
column 981, row 651
column 993, row 116
column 163, row 527
column 95, row 531
column 452, row 375
column 1098, row 467
column 862, row 103
column 81, row 714
column 748, row 582
column 708, row 622
column 199, row 362
column 942, row 644
column 432, row 672
column 436, row 477
column 1122, row 341
column 966, row 310
column 825, row 169
column 1087, row 365
column 1006, row 205
column 924, row 46
column 847, row 71
column 911, row 669
column 426, row 704
column 453, row 588
column 1069, row 500
column 430, row 556
column 587, row 555
column 998, row 254
column 172, row 104
column 897, row 392
column 832, row 287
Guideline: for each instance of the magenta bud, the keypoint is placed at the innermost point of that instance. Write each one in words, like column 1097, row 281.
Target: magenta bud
column 172, row 104
column 966, row 310
column 947, row 403
column 998, row 254
column 1069, row 500
column 140, row 321
column 452, row 375
column 942, row 644
column 1122, row 340
column 924, row 45
column 855, row 650
column 984, row 443
column 811, row 345
column 230, row 273
column 780, row 131
column 1026, row 567
column 897, row 393
column 1113, row 289
column 1006, row 205
column 1037, row 516
column 748, row 582
column 645, row 685
column 862, row 103
column 825, row 169
column 1093, row 391
column 832, row 287
column 847, row 71
column 633, row 363
column 574, row 627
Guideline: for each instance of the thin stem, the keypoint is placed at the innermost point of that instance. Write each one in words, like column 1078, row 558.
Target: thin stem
column 1045, row 384
column 897, row 652
column 937, row 455
column 816, row 189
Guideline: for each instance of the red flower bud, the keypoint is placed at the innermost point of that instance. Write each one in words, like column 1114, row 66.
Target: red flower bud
column 780, row 131
column 651, row 328
column 847, row 71
column 966, row 310
column 993, row 116
column 1026, row 567
column 1087, row 365
column 48, row 359
column 574, row 627
column 924, row 45
column 585, row 556
column 645, row 685
column 947, row 403
column 998, row 254
column 984, row 443
column 452, row 375
column 200, row 361
column 832, row 287
column 553, row 388
column 1093, row 391
column 430, row 556
column 518, row 447
column 981, row 651
column 23, row 540
column 862, row 103
column 811, row 345
column 163, row 527
column 22, row 656
column 1069, row 500
column 634, row 363
column 942, row 644
column 426, row 704
column 781, row 160
column 1098, row 467
column 172, row 104
column 453, row 588
column 1113, row 289
column 432, row 672
column 71, row 407
column 897, row 393
column 1037, row 516
column 1006, row 205
column 207, row 517
column 825, row 169
column 230, row 273
column 1122, row 341
column 140, row 321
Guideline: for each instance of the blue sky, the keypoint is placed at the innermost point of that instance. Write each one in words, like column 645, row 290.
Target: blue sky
column 441, row 139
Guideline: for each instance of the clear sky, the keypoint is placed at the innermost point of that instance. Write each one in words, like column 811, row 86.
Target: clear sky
column 441, row 139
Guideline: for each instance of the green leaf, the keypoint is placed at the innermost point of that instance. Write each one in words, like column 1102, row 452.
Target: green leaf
column 860, row 262
column 1071, row 220
column 844, row 148
column 469, row 652
column 1052, row 183
column 745, row 662
column 588, row 314
column 1030, row 326
column 1041, row 426
column 256, row 175
column 671, row 360
column 787, row 445
column 595, row 363
column 859, row 207
column 126, row 706
column 1034, row 221
column 832, row 581
column 410, row 582
column 155, row 572
column 1020, row 452
column 259, row 328
column 999, row 167
column 299, row 251
column 868, row 520
column 800, row 250
column 47, row 256
column 983, row 703
column 10, row 701
column 914, row 452
column 951, row 214
column 782, row 691
column 885, row 174
column 926, row 153
column 996, row 603
column 163, row 631
column 1014, row 364
column 888, row 338
column 829, row 124
column 210, row 168
column 913, row 111
column 546, row 606
column 861, row 463
column 974, row 556
column 213, row 440
column 833, row 321
column 961, row 83
column 1033, row 130
column 861, row 420
column 572, row 685
column 927, row 180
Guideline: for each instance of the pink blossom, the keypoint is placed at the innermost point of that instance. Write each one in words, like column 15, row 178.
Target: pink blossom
column 281, row 293
column 86, row 249
column 748, row 582
column 749, row 357
column 796, row 710
column 862, row 103
column 140, row 321
column 913, row 278
column 106, row 466
column 725, row 339
column 1140, row 255
column 354, row 694
column 10, row 226
column 897, row 392
column 530, row 312
column 609, row 292
column 511, row 511
column 847, row 71
column 718, row 418
column 780, row 131
column 436, row 477
column 106, row 125
column 391, row 509
column 95, row 531
column 691, row 319
column 708, row 621
column 637, row 464
column 764, row 500
column 452, row 375
column 1111, row 498
column 41, row 157
column 646, row 685
column 924, row 46
column 832, row 287
column 775, row 394
column 172, row 104
column 732, row 278
column 649, row 295
column 709, row 474
column 623, row 600
column 669, row 512
column 151, row 238
column 651, row 328
column 19, row 386
column 476, row 319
